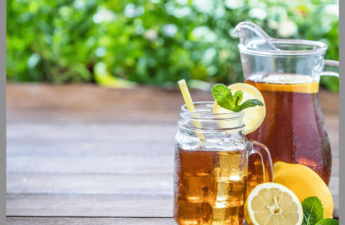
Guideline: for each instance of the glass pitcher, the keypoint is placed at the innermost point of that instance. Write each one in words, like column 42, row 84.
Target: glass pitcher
column 287, row 73
column 211, row 166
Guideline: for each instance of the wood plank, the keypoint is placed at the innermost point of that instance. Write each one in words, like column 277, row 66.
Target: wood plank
column 149, row 164
column 161, row 185
column 89, row 205
column 101, row 184
column 71, row 103
column 112, row 132
column 92, row 165
column 87, row 221
column 67, row 185
column 71, row 148
column 97, row 148
column 32, row 140
column 96, row 205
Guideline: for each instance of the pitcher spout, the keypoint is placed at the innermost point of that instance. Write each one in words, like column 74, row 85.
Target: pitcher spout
column 249, row 33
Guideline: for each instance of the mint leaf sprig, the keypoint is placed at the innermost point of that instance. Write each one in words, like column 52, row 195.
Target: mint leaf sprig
column 224, row 97
column 312, row 210
column 313, row 213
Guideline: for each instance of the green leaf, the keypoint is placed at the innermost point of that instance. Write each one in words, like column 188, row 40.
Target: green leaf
column 251, row 103
column 312, row 211
column 328, row 222
column 238, row 96
column 223, row 96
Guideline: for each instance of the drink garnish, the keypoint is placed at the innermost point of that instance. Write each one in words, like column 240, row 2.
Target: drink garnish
column 224, row 97
column 313, row 213
column 273, row 204
column 312, row 210
column 305, row 183
column 190, row 106
column 226, row 102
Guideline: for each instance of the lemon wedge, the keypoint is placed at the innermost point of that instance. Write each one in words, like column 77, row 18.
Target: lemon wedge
column 253, row 117
column 272, row 204
column 304, row 182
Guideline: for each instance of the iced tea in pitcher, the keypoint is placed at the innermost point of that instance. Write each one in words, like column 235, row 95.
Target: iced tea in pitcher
column 287, row 73
column 294, row 118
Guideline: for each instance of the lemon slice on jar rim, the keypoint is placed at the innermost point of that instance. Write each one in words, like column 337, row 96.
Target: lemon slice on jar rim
column 254, row 116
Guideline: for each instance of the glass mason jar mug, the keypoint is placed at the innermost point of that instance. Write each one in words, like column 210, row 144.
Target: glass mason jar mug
column 211, row 166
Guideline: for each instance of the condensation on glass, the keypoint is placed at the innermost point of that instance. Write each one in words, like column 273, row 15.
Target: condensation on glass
column 211, row 167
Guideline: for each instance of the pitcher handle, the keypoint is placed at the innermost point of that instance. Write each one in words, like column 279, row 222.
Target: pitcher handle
column 266, row 160
column 331, row 68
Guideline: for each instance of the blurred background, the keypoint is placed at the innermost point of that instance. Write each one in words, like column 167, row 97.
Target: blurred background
column 121, row 43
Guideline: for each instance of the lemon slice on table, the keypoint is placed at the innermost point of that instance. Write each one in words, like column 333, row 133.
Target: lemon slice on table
column 253, row 117
column 272, row 204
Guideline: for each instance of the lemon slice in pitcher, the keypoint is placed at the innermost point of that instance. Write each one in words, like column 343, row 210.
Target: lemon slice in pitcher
column 253, row 117
column 272, row 204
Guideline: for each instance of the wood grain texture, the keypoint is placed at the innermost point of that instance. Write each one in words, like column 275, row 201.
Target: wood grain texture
column 100, row 148
column 88, row 221
column 92, row 205
column 88, row 151
column 94, row 103
column 102, row 184
column 41, row 102
column 152, row 185
column 96, row 205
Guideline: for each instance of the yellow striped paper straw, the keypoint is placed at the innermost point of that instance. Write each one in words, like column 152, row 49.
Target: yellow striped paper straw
column 189, row 103
column 186, row 95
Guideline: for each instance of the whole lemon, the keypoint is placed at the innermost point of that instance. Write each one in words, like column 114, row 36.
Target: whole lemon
column 304, row 182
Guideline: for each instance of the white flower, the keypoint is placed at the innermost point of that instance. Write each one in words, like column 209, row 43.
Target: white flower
column 151, row 34
column 287, row 28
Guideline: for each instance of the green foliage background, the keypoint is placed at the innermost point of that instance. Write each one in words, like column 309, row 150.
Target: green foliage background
column 152, row 42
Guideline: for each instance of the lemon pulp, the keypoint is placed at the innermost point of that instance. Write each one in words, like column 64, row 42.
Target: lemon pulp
column 271, row 204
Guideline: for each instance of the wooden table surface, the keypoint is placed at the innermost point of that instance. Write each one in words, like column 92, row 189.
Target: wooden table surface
column 83, row 154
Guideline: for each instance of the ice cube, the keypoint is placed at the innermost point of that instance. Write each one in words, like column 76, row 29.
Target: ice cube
column 201, row 188
column 194, row 213
column 230, row 193
column 229, row 165
column 224, row 215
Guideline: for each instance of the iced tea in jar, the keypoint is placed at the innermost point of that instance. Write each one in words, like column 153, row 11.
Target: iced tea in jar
column 211, row 166
column 287, row 73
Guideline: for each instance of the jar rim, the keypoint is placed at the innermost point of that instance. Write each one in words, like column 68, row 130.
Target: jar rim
column 207, row 114
column 203, row 118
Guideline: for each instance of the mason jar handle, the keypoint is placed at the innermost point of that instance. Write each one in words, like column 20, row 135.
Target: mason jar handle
column 265, row 158
column 331, row 68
